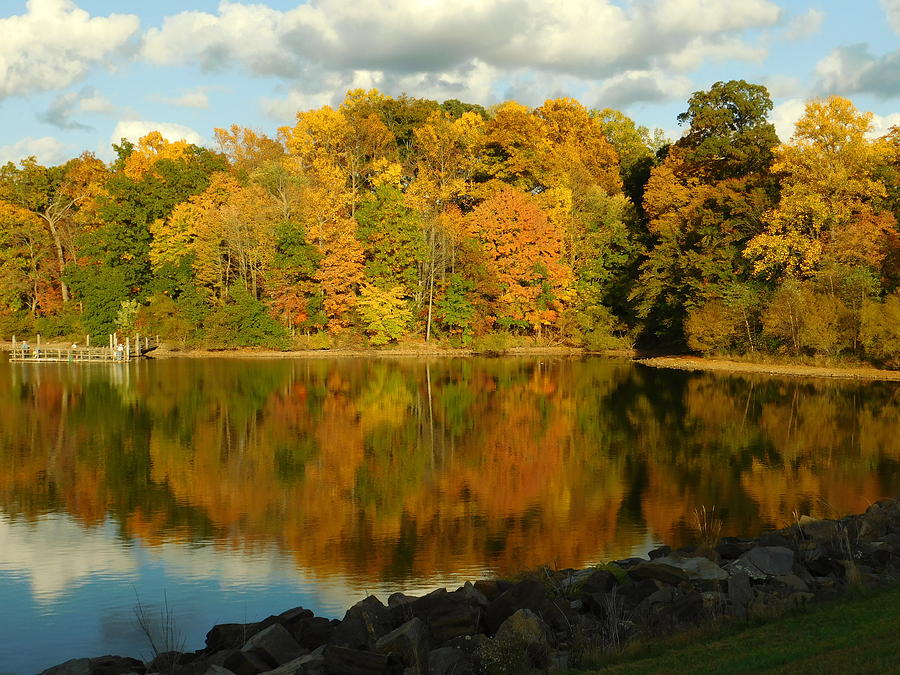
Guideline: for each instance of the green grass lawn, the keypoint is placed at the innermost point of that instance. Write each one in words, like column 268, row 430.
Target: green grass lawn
column 861, row 635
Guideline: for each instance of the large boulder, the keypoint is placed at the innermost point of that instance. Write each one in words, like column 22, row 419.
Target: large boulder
column 363, row 624
column 410, row 643
column 449, row 661
column 447, row 615
column 696, row 569
column 528, row 594
column 70, row 667
column 345, row 661
column 274, row 644
column 763, row 562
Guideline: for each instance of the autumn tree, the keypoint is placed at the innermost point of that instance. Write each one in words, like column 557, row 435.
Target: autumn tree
column 828, row 211
column 55, row 194
column 524, row 256
column 704, row 203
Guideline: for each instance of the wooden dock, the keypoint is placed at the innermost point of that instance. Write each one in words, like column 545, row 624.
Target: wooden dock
column 120, row 353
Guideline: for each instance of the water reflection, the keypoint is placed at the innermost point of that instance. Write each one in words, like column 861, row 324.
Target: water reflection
column 353, row 475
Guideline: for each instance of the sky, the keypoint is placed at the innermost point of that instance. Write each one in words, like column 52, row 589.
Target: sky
column 79, row 75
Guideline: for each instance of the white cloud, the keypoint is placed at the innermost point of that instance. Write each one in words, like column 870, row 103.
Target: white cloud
column 95, row 102
column 641, row 86
column 785, row 115
column 33, row 549
column 892, row 9
column 853, row 69
column 133, row 130
column 881, row 124
column 64, row 106
column 47, row 150
column 431, row 44
column 54, row 43
column 190, row 99
column 805, row 25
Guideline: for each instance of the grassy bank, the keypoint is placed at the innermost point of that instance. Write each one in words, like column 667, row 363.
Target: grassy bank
column 859, row 635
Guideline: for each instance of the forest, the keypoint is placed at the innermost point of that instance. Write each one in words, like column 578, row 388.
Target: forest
column 403, row 219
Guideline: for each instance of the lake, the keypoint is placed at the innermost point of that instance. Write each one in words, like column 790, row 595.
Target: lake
column 225, row 490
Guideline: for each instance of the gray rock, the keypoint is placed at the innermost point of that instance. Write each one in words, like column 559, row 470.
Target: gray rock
column 763, row 562
column 218, row 670
column 816, row 529
column 739, row 591
column 697, row 569
column 116, row 665
column 659, row 570
column 526, row 627
column 275, row 645
column 344, row 661
column 243, row 663
column 447, row 615
column 449, row 661
column 410, row 643
column 400, row 599
column 311, row 663
column 474, row 595
column 363, row 624
column 793, row 581
column 70, row 667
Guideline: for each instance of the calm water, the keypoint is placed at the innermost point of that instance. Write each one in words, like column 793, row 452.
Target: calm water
column 227, row 489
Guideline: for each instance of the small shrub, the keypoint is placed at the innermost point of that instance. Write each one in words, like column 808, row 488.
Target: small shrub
column 319, row 340
column 494, row 343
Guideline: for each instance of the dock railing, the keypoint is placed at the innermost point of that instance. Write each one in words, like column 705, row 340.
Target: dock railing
column 116, row 351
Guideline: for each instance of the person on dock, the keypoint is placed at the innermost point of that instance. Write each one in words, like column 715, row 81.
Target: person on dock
column 120, row 352
column 26, row 349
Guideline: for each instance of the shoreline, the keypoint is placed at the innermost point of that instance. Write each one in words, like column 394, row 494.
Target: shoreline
column 685, row 362
column 568, row 620
column 699, row 363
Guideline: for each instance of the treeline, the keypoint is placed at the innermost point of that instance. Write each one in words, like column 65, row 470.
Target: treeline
column 394, row 218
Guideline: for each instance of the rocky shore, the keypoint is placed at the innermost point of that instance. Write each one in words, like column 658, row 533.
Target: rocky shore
column 552, row 620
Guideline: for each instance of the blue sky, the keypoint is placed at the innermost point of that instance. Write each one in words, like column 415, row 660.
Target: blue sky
column 77, row 75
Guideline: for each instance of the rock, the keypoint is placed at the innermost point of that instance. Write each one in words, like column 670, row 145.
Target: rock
column 660, row 552
column 660, row 571
column 345, row 661
column 447, row 615
column 739, row 590
column 410, row 643
column 599, row 581
column 528, row 594
column 793, row 581
column 874, row 523
column 398, row 599
column 474, row 596
column 764, row 561
column 449, row 661
column 70, row 667
column 228, row 636
column 731, row 548
column 310, row 664
column 218, row 670
column 634, row 593
column 491, row 589
column 816, row 529
column 697, row 569
column 526, row 627
column 628, row 563
column 312, row 632
column 236, row 661
column 275, row 645
column 363, row 624
column 116, row 665
column 523, row 640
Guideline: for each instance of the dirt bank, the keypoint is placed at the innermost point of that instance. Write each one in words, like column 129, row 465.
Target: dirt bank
column 725, row 365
